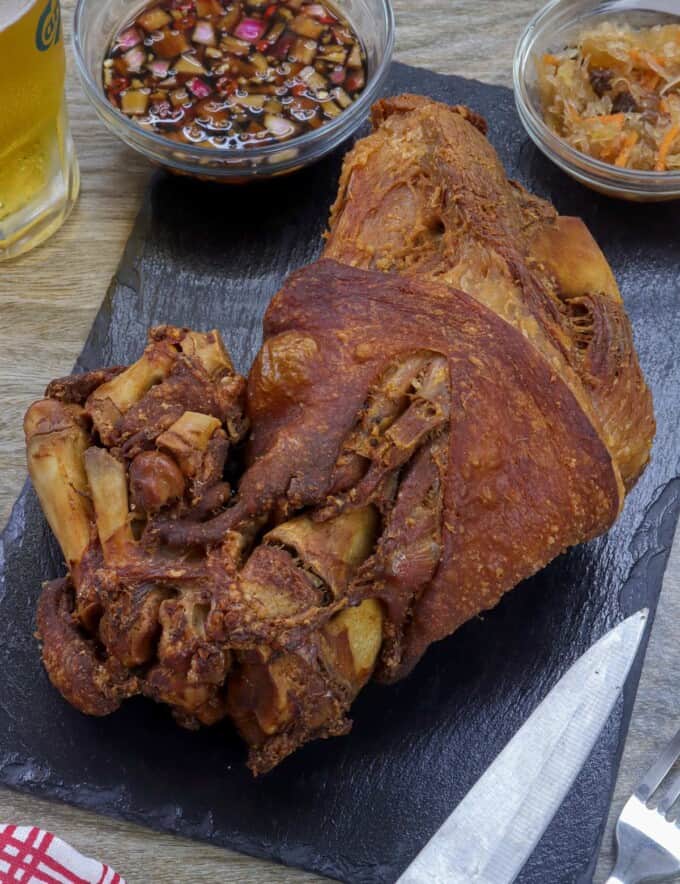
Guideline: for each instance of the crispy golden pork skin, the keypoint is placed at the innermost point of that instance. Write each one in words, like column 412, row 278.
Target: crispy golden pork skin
column 479, row 455
column 426, row 195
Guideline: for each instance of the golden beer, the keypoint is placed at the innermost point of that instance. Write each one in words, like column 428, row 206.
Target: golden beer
column 38, row 169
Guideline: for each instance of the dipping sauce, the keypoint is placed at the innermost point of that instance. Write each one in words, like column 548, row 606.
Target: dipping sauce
column 615, row 95
column 236, row 74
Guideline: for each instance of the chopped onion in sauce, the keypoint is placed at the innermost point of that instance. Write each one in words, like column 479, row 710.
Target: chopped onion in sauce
column 234, row 73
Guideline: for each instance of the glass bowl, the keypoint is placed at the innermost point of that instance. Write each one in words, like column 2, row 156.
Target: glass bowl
column 552, row 29
column 96, row 22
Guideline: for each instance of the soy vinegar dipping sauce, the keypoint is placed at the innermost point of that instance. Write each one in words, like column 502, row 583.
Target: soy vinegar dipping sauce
column 234, row 74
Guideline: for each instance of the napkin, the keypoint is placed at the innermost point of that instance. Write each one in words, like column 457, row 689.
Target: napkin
column 29, row 855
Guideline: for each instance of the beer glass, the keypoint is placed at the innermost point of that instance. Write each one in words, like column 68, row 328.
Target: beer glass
column 38, row 168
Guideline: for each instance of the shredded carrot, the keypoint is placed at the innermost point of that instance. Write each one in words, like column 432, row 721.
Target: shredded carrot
column 551, row 59
column 665, row 147
column 629, row 143
column 637, row 56
column 641, row 58
column 617, row 119
column 650, row 80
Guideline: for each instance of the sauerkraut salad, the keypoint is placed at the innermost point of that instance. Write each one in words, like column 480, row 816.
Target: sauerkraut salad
column 615, row 95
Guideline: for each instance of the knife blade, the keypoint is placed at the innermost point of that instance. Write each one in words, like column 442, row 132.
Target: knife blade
column 493, row 831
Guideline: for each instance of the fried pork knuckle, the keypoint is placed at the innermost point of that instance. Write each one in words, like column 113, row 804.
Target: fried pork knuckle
column 445, row 402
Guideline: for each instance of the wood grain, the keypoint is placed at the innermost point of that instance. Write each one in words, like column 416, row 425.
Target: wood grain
column 48, row 300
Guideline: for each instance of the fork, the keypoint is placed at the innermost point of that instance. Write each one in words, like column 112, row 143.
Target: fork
column 648, row 842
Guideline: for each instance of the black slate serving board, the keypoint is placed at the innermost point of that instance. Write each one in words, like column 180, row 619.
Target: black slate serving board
column 357, row 808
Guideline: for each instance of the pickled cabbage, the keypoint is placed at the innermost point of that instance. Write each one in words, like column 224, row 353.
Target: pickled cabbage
column 615, row 95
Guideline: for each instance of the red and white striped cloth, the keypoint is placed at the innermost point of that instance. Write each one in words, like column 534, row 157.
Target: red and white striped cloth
column 32, row 856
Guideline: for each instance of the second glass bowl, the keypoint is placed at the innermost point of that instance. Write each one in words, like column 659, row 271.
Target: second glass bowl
column 554, row 27
column 96, row 22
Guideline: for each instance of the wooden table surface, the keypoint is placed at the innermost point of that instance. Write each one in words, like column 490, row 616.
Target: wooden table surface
column 48, row 300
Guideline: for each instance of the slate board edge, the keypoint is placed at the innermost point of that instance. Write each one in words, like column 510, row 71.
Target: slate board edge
column 641, row 572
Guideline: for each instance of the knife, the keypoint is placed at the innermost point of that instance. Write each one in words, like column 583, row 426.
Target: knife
column 493, row 831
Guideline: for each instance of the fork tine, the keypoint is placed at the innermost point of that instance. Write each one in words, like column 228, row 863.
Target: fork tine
column 670, row 796
column 652, row 779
